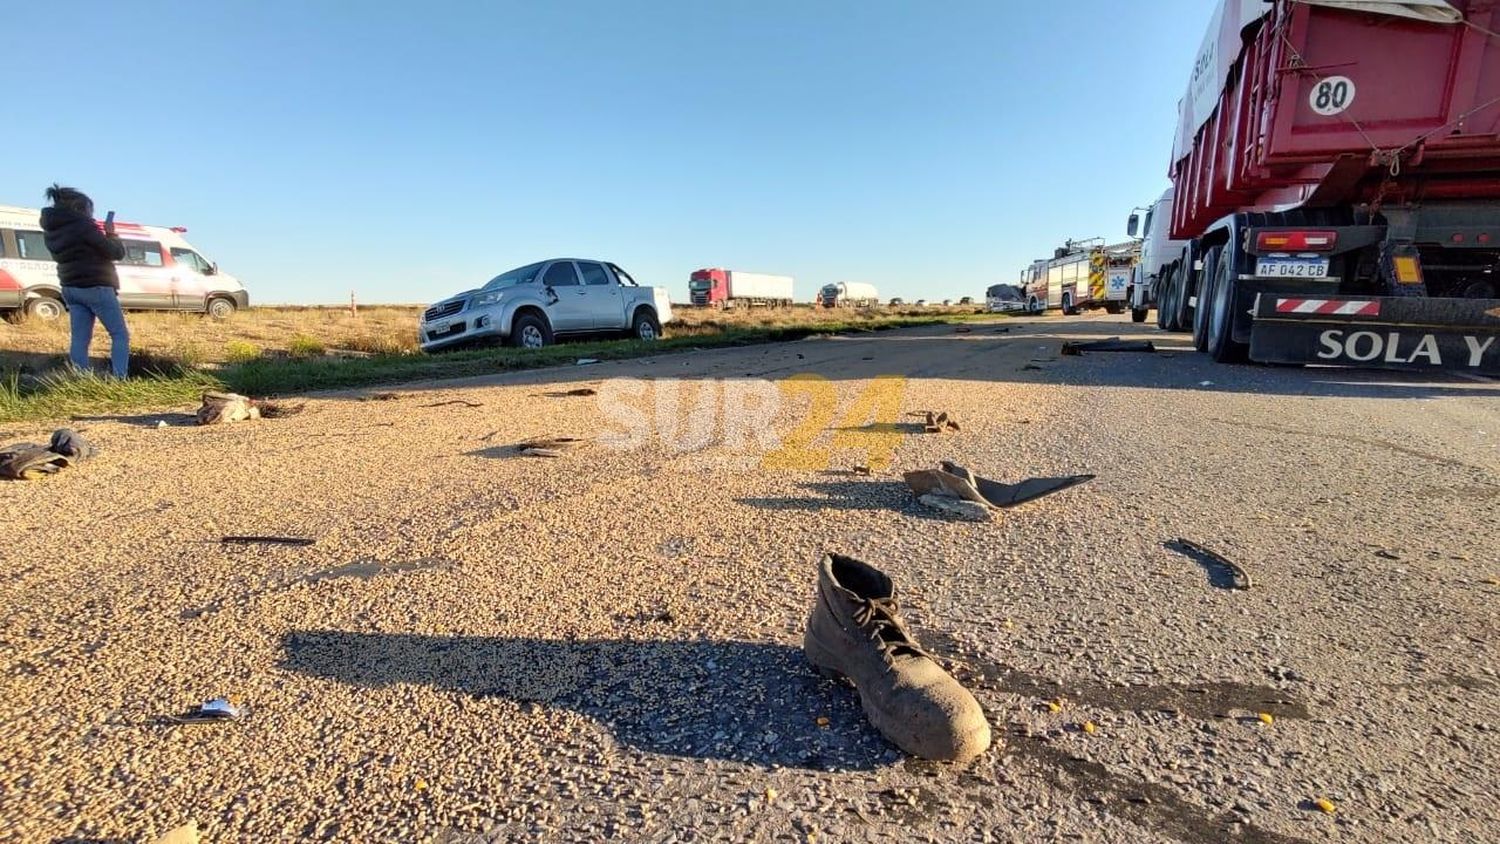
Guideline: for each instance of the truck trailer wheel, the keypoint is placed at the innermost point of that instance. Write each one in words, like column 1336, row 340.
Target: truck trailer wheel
column 1220, row 322
column 1166, row 305
column 1211, row 263
column 1182, row 314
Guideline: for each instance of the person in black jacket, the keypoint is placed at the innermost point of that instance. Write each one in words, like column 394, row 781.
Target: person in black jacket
column 85, row 258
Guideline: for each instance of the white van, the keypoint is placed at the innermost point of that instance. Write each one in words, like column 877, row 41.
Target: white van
column 161, row 271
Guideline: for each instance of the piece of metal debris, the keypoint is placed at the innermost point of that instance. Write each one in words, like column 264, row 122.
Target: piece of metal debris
column 1113, row 344
column 576, row 391
column 585, row 361
column 861, row 469
column 962, row 329
column 464, row 402
column 549, row 446
column 1238, row 577
column 266, row 540
column 217, row 709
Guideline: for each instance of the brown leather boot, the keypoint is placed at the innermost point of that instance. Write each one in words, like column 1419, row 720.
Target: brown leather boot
column 855, row 633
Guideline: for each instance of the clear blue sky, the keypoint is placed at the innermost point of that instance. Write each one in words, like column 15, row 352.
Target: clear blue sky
column 410, row 150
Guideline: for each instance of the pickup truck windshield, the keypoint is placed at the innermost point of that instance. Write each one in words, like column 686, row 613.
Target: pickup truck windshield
column 521, row 275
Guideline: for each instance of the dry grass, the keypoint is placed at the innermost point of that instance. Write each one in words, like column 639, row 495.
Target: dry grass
column 34, row 347
column 281, row 351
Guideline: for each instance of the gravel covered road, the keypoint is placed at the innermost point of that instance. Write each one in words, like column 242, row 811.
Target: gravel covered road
column 482, row 647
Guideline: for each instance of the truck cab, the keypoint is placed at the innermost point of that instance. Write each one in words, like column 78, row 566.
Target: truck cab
column 1159, row 253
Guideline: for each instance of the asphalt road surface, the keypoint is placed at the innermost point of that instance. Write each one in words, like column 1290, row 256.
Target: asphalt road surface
column 482, row 646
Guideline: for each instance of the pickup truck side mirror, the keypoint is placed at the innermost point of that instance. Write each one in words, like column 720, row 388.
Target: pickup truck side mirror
column 1132, row 225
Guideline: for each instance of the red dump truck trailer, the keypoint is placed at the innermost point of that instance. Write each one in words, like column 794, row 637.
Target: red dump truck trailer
column 1337, row 185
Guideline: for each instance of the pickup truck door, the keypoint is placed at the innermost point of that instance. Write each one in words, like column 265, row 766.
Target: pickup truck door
column 606, row 300
column 571, row 311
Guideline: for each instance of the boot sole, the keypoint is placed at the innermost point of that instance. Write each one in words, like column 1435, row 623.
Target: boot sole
column 885, row 723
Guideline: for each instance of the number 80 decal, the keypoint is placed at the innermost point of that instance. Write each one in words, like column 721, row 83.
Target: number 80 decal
column 1332, row 95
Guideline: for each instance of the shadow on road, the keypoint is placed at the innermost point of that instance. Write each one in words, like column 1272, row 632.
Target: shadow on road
column 739, row 701
column 759, row 703
column 1029, row 353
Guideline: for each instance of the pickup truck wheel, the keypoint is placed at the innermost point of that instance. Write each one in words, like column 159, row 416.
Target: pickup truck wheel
column 645, row 326
column 530, row 332
column 44, row 309
column 221, row 308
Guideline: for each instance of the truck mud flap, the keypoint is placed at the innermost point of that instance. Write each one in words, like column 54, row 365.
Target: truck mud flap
column 1377, row 332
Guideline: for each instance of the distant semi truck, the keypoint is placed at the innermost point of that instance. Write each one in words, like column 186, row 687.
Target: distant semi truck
column 848, row 294
column 1080, row 276
column 721, row 288
column 1336, row 182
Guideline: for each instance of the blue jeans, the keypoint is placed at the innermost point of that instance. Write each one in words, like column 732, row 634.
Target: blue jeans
column 85, row 304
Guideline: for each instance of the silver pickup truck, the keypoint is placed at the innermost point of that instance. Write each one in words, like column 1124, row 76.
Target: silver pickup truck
column 531, row 305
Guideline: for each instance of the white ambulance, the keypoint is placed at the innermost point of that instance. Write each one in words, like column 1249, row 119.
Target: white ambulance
column 161, row 271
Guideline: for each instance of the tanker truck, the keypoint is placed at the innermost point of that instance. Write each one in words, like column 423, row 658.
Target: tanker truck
column 1336, row 186
column 848, row 294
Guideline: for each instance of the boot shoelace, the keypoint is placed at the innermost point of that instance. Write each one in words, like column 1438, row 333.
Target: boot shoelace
column 880, row 616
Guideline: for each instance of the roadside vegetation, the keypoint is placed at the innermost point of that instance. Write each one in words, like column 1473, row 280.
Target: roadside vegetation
column 281, row 351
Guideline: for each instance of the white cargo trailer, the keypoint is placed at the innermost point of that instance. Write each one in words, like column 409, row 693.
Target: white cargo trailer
column 729, row 288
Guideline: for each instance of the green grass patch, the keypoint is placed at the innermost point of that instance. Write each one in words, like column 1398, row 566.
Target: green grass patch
column 168, row 385
column 62, row 395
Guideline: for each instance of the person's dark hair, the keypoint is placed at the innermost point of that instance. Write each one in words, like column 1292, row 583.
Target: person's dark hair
column 70, row 198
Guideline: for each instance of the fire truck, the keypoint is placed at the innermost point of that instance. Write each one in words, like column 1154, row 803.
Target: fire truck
column 1081, row 275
